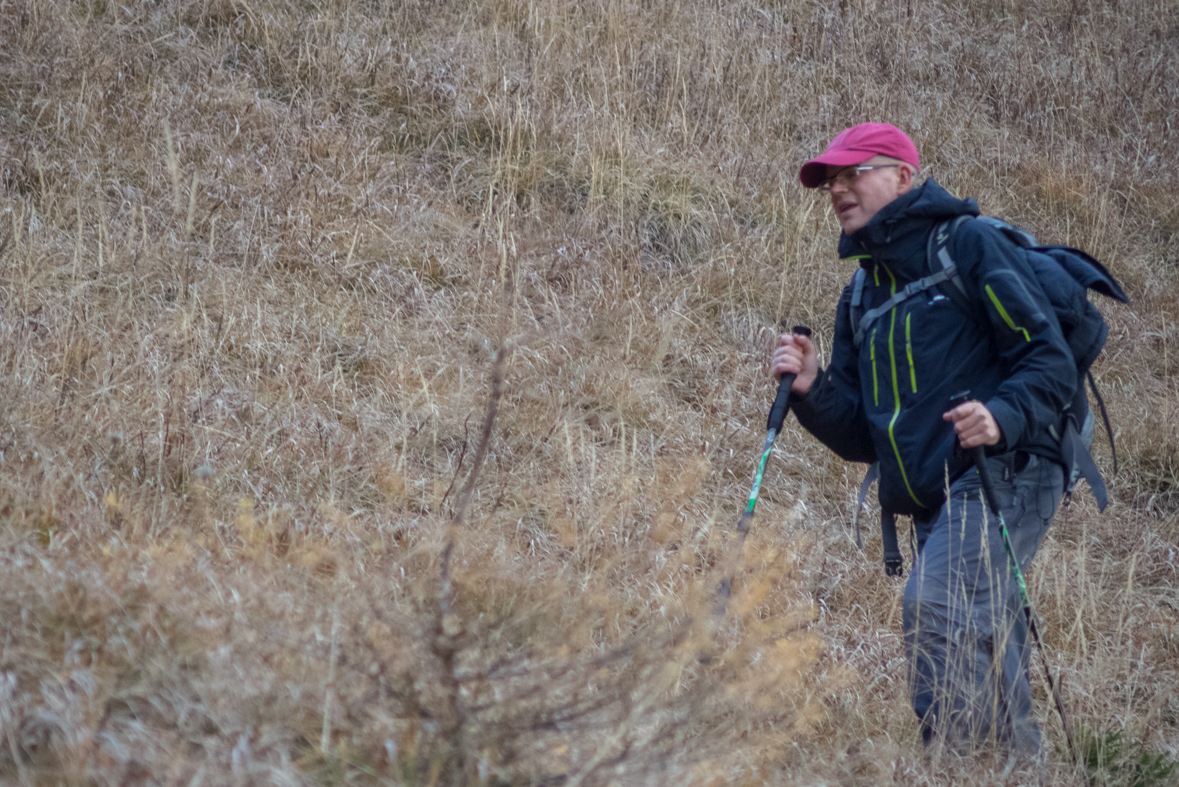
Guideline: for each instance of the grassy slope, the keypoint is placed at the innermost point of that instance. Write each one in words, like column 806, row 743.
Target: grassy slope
column 261, row 258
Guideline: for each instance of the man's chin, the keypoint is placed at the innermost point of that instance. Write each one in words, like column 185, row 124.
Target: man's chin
column 851, row 219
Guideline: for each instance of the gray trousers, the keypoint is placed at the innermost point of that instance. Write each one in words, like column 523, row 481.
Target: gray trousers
column 966, row 637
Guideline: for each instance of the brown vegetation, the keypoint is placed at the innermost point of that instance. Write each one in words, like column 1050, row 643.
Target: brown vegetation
column 268, row 269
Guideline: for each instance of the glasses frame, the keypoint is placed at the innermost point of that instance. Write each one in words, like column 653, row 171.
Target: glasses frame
column 844, row 178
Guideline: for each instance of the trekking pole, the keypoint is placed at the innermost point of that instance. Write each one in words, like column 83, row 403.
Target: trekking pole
column 773, row 427
column 978, row 454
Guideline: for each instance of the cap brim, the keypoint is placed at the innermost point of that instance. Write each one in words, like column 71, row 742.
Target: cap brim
column 814, row 171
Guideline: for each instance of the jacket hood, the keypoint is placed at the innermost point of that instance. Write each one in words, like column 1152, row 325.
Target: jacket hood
column 898, row 232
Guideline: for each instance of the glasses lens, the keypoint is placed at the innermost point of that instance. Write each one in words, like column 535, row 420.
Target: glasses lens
column 843, row 178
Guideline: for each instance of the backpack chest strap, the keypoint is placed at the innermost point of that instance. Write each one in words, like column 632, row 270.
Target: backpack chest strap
column 912, row 289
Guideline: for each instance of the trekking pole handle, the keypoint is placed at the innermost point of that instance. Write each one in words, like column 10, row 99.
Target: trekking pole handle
column 782, row 400
column 979, row 455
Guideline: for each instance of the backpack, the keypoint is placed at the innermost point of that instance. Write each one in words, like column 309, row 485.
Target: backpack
column 1066, row 275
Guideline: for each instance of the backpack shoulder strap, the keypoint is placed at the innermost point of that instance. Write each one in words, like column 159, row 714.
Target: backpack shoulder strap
column 857, row 299
column 938, row 258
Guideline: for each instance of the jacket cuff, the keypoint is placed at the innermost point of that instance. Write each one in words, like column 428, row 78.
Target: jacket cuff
column 803, row 405
column 1010, row 423
column 800, row 398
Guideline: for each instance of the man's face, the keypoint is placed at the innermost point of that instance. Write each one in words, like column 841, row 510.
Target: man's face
column 855, row 203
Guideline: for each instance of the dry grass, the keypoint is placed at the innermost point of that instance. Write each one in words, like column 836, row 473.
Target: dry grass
column 258, row 262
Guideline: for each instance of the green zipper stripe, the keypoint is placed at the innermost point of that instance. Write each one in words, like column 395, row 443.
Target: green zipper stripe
column 875, row 381
column 896, row 394
column 909, row 350
column 1006, row 317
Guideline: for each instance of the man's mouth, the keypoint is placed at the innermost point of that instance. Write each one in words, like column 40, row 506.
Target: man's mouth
column 845, row 207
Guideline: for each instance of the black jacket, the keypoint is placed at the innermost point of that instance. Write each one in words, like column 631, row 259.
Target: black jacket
column 885, row 401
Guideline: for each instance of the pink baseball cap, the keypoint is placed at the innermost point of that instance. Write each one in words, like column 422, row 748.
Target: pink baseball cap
column 855, row 146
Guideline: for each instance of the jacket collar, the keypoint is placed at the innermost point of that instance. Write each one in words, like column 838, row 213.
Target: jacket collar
column 897, row 233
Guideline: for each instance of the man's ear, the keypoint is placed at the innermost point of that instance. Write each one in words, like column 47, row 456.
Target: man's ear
column 904, row 178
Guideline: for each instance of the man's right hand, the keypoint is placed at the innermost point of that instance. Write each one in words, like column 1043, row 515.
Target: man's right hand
column 796, row 355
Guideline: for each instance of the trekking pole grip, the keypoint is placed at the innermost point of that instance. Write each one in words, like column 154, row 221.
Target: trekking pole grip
column 782, row 400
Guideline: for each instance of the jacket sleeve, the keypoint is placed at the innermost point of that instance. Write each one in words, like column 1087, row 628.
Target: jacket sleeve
column 1039, row 370
column 833, row 409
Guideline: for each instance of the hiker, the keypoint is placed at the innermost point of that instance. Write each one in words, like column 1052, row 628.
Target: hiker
column 884, row 398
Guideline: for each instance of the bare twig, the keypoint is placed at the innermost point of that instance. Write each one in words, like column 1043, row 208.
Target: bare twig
column 458, row 465
column 497, row 392
column 447, row 630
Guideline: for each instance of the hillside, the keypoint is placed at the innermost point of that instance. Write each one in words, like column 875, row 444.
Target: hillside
column 382, row 381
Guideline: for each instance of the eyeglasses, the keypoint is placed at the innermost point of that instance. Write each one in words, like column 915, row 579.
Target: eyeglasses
column 846, row 177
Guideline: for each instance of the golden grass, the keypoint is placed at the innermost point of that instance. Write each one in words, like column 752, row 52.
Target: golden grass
column 258, row 260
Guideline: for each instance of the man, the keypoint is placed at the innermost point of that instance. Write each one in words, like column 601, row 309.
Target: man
column 886, row 399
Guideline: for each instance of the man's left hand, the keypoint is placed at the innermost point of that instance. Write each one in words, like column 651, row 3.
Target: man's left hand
column 974, row 425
